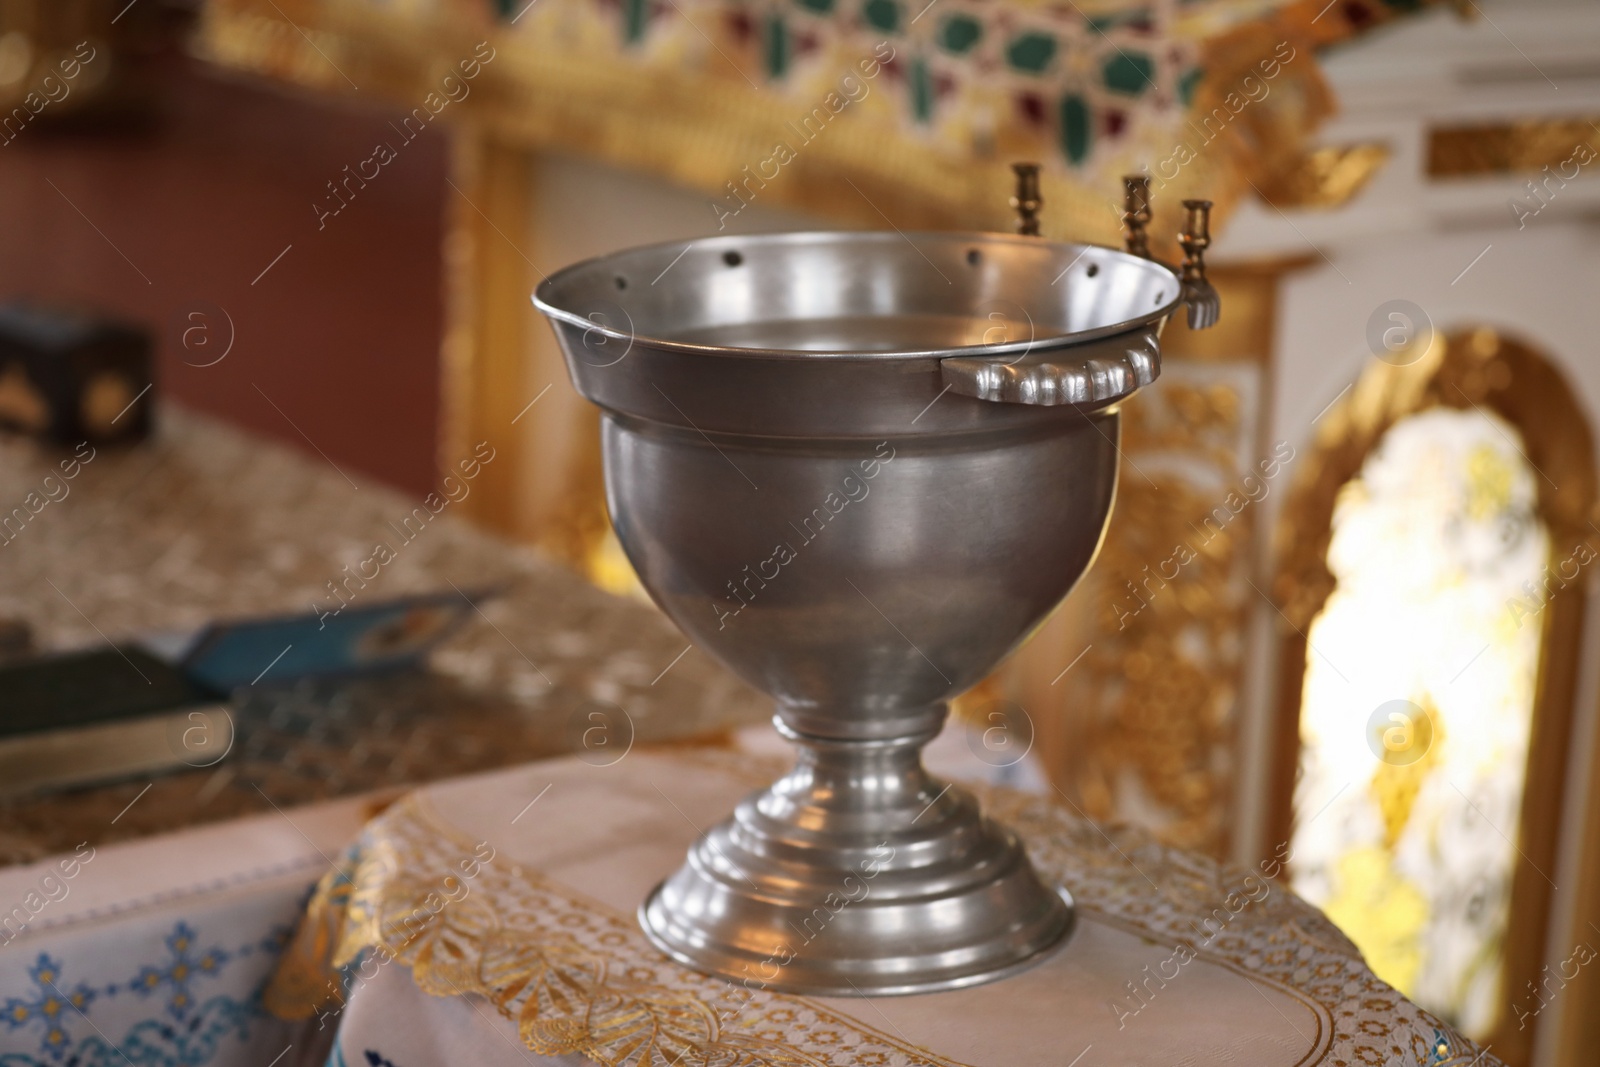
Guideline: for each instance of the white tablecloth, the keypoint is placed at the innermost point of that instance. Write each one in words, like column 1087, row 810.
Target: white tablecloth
column 490, row 920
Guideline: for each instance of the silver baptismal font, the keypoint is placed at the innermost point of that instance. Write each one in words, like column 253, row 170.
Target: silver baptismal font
column 858, row 469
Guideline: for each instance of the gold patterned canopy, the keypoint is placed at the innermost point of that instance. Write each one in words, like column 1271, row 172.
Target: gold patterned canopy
column 905, row 111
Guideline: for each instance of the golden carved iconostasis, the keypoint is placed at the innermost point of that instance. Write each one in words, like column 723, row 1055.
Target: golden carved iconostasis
column 1137, row 691
column 1134, row 687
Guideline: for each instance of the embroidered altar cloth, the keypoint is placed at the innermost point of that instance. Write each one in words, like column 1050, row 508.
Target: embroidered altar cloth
column 154, row 953
column 490, row 920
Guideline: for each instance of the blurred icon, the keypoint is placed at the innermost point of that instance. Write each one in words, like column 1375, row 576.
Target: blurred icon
column 355, row 639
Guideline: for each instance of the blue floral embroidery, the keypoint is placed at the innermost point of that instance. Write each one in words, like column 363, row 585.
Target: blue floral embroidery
column 190, row 1035
column 51, row 1007
column 184, row 967
column 156, row 1042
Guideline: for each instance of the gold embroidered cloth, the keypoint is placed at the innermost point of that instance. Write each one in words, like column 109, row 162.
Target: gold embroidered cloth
column 508, row 897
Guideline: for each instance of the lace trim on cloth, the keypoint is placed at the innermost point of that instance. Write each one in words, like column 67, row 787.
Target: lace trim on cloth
column 577, row 978
column 573, row 976
column 1236, row 917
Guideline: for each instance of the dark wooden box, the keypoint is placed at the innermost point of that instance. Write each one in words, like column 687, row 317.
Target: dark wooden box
column 69, row 377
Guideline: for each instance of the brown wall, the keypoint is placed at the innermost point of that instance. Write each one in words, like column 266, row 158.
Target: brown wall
column 342, row 333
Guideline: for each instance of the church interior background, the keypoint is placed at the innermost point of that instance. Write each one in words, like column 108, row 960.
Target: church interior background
column 1342, row 619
